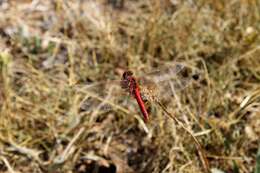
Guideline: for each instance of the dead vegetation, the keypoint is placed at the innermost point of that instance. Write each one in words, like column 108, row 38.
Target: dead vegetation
column 54, row 55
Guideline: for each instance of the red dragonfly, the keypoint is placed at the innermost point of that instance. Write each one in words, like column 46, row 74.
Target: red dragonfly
column 169, row 80
column 130, row 83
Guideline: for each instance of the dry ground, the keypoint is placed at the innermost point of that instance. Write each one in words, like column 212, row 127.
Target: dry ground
column 51, row 51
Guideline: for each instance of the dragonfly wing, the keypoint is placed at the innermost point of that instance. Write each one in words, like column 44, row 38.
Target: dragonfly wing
column 100, row 95
column 161, row 73
column 179, row 85
column 170, row 87
column 169, row 81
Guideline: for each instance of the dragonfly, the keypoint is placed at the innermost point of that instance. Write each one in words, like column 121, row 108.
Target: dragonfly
column 130, row 83
column 148, row 89
column 161, row 84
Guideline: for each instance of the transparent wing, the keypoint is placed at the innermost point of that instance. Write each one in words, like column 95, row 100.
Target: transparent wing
column 101, row 97
column 162, row 73
column 108, row 95
column 170, row 80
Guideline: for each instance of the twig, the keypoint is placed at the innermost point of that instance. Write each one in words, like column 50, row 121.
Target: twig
column 7, row 164
column 69, row 149
column 250, row 99
column 30, row 153
column 202, row 154
column 225, row 157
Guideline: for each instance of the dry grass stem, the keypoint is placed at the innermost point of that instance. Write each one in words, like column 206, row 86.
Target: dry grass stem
column 62, row 108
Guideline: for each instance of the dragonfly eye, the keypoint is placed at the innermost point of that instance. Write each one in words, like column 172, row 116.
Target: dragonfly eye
column 127, row 74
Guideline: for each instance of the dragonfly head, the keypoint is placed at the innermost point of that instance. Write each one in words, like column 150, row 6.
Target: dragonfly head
column 128, row 82
column 125, row 81
column 127, row 74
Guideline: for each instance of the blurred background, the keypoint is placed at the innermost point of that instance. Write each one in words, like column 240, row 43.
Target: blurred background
column 61, row 109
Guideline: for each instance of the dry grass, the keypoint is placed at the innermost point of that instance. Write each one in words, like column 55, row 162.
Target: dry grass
column 54, row 54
